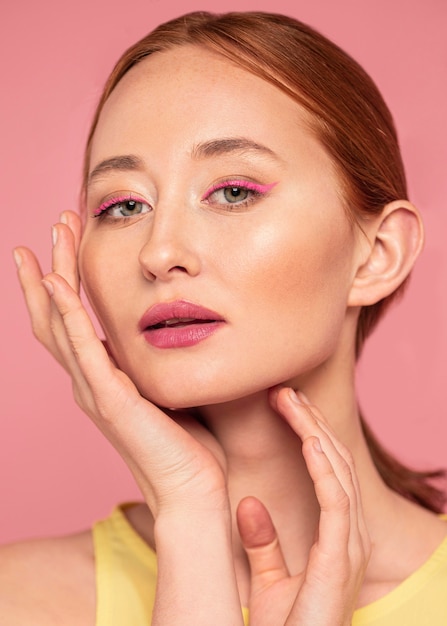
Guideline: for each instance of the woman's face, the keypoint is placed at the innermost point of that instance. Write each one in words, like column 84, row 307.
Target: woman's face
column 208, row 186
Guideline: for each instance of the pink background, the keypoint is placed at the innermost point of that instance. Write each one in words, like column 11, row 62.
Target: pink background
column 57, row 473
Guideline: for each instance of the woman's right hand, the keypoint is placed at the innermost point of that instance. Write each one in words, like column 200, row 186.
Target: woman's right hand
column 178, row 465
column 175, row 461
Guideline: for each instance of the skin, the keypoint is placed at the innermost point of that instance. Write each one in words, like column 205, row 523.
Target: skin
column 289, row 261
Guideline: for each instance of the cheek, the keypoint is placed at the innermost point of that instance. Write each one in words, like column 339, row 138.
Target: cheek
column 295, row 283
column 102, row 277
column 304, row 265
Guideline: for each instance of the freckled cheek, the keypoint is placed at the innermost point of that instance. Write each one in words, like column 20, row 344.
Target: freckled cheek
column 103, row 276
column 295, row 275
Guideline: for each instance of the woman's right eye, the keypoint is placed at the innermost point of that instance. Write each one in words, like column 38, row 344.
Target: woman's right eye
column 122, row 207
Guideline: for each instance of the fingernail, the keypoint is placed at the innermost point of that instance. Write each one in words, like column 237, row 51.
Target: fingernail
column 63, row 218
column 17, row 258
column 54, row 235
column 48, row 286
column 294, row 397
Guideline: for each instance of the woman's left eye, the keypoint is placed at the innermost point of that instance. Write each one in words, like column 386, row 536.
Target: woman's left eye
column 122, row 207
column 236, row 193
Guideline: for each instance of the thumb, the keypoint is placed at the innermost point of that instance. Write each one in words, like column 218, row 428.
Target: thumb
column 261, row 544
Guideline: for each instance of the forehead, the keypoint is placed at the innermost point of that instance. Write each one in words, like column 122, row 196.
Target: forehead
column 193, row 94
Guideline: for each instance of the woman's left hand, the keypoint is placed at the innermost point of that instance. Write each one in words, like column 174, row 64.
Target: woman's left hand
column 325, row 593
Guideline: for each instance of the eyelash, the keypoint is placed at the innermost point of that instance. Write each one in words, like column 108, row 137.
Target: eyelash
column 101, row 211
column 255, row 190
column 244, row 185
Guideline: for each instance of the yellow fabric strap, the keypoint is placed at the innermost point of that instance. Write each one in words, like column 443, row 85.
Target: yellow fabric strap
column 126, row 573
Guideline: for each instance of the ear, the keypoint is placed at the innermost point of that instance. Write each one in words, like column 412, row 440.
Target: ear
column 395, row 241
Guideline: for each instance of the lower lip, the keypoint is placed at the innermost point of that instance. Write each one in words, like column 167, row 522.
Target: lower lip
column 181, row 336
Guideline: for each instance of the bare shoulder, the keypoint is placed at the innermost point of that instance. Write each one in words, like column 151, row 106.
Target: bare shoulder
column 48, row 582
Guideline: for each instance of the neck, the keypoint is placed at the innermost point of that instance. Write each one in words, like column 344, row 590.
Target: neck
column 265, row 460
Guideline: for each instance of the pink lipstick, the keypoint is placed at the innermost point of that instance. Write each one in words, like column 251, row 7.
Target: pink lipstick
column 178, row 324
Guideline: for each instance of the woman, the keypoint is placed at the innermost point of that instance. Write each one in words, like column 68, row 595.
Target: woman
column 244, row 225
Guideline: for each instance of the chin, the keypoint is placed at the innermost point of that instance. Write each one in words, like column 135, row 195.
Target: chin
column 172, row 395
column 183, row 400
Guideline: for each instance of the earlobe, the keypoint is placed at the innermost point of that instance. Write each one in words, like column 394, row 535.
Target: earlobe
column 396, row 238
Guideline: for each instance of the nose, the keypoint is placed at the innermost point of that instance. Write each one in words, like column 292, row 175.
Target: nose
column 170, row 247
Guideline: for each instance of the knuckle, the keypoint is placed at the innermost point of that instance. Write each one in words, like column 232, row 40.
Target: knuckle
column 54, row 326
column 347, row 455
column 87, row 405
column 341, row 501
column 39, row 330
column 79, row 399
column 359, row 561
column 335, row 500
column 109, row 407
column 346, row 472
column 75, row 348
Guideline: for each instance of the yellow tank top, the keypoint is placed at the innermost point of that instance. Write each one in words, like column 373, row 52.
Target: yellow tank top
column 126, row 574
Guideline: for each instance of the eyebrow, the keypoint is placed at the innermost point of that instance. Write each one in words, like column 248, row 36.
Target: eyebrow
column 219, row 147
column 204, row 150
column 124, row 163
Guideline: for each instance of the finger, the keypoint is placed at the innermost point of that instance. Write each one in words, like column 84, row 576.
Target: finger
column 304, row 419
column 347, row 470
column 77, row 339
column 333, row 572
column 66, row 239
column 260, row 541
column 102, row 391
column 340, row 476
column 64, row 254
column 350, row 481
column 301, row 415
column 335, row 523
column 97, row 386
column 74, row 222
column 37, row 300
column 112, row 396
column 347, row 456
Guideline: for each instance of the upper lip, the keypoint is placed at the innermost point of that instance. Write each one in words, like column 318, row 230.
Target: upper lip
column 178, row 309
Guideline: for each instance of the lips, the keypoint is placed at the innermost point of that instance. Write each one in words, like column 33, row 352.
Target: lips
column 178, row 324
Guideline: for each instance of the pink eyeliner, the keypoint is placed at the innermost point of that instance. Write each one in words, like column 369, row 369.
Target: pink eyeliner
column 261, row 189
column 109, row 203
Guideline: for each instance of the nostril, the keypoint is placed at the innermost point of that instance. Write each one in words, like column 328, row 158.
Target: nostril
column 164, row 257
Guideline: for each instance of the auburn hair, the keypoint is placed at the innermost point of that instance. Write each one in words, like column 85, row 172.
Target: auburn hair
column 352, row 122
